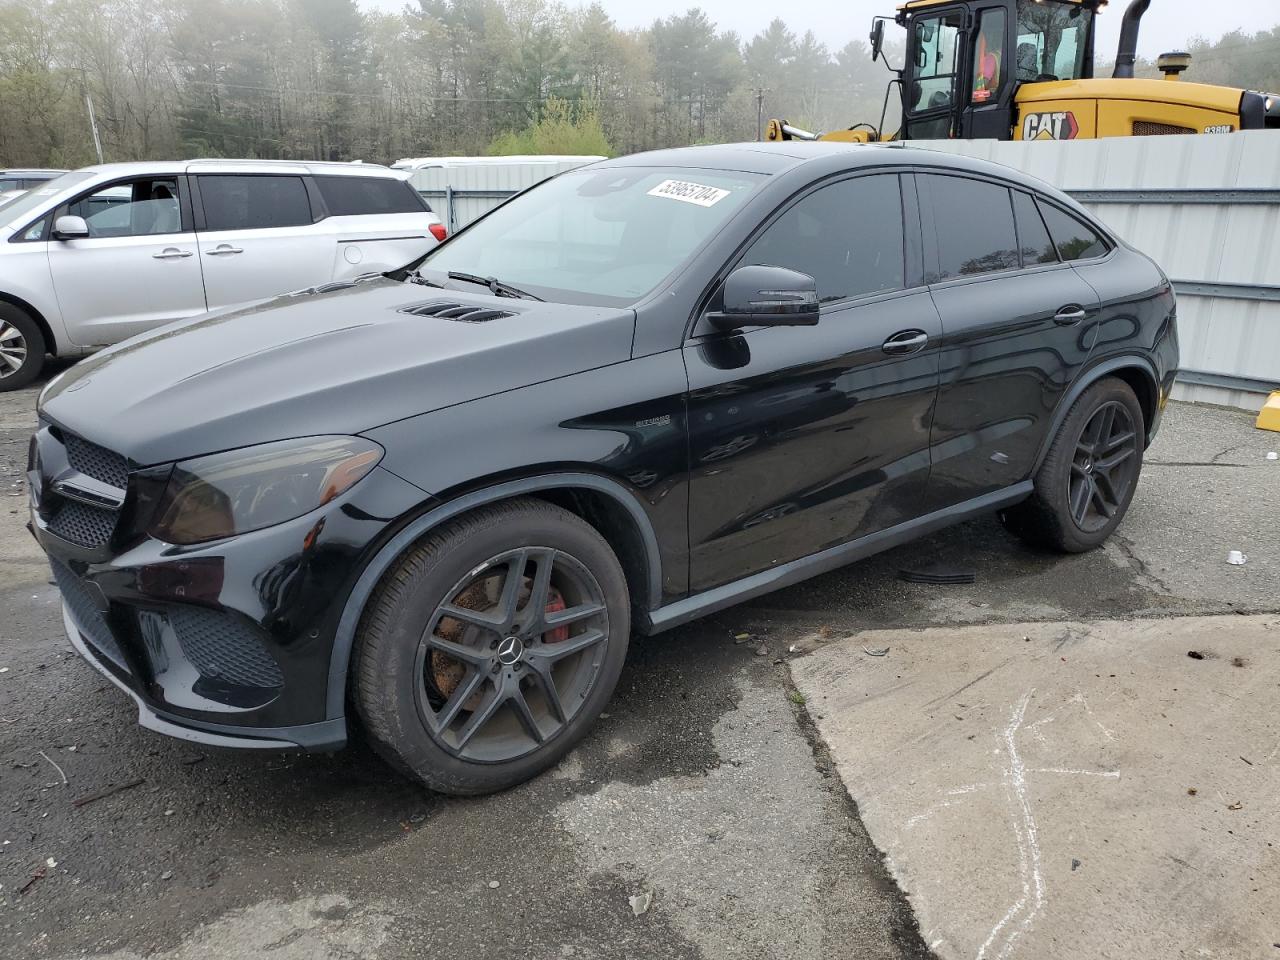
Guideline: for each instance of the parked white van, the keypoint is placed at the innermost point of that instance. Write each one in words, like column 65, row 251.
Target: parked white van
column 100, row 254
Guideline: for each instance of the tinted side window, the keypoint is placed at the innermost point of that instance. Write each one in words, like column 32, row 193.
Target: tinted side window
column 253, row 202
column 1075, row 240
column 974, row 224
column 847, row 236
column 1032, row 235
column 351, row 196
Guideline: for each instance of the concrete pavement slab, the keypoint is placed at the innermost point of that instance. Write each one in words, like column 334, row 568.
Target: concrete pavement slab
column 1068, row 789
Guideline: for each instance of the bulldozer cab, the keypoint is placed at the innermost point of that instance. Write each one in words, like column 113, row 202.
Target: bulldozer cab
column 1023, row 70
column 966, row 58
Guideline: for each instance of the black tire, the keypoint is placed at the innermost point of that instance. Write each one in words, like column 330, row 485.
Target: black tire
column 408, row 650
column 1073, row 472
column 25, row 345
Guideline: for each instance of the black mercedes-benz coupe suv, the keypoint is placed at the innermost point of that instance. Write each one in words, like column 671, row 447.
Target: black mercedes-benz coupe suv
column 442, row 499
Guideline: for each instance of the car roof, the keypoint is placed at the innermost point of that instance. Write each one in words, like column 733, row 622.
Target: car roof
column 30, row 171
column 230, row 165
column 824, row 156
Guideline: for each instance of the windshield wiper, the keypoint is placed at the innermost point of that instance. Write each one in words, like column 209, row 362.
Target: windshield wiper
column 496, row 286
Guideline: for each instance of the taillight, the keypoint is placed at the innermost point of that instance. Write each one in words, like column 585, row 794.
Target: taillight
column 438, row 231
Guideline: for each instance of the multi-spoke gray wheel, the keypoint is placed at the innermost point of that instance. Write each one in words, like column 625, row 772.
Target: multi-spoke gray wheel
column 21, row 348
column 1087, row 480
column 1104, row 467
column 492, row 646
column 524, row 631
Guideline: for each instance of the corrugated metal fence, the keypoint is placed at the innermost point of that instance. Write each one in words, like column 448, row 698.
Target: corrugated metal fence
column 1207, row 208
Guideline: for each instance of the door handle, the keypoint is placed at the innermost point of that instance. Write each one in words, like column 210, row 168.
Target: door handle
column 223, row 250
column 171, row 253
column 905, row 341
column 1069, row 316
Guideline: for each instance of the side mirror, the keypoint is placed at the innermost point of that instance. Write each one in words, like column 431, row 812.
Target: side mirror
column 70, row 228
column 763, row 296
column 877, row 39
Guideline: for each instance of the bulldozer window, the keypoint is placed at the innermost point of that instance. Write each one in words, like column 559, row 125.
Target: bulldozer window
column 935, row 48
column 988, row 57
column 1052, row 40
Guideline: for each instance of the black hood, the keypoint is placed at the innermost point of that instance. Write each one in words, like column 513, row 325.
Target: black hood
column 340, row 362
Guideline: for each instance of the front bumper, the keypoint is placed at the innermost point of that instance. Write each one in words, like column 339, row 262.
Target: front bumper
column 226, row 643
column 325, row 735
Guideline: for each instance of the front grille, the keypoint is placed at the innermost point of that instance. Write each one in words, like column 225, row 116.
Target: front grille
column 82, row 524
column 220, row 648
column 97, row 462
column 87, row 615
column 1144, row 128
column 465, row 312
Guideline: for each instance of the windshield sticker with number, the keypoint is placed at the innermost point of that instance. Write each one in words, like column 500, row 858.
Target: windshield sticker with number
column 688, row 192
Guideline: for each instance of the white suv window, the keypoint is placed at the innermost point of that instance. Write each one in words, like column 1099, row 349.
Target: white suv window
column 354, row 196
column 140, row 208
column 252, row 201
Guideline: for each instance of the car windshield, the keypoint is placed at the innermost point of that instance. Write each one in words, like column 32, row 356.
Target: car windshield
column 18, row 208
column 1052, row 40
column 597, row 236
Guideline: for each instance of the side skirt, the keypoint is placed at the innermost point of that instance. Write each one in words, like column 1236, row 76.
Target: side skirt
column 784, row 575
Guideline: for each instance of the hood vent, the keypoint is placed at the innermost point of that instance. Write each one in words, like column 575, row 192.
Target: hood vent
column 465, row 312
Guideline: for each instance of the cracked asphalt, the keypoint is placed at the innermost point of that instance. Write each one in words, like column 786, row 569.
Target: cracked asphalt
column 704, row 785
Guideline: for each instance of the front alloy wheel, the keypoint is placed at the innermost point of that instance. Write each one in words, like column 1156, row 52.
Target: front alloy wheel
column 491, row 647
column 509, row 658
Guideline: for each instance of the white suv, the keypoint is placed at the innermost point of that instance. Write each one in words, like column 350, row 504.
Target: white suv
column 106, row 252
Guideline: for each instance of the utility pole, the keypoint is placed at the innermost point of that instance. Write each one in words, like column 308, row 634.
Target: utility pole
column 93, row 125
column 759, row 113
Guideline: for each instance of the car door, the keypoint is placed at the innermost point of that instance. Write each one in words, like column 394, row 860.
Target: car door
column 1017, row 326
column 259, row 236
column 801, row 438
column 137, row 268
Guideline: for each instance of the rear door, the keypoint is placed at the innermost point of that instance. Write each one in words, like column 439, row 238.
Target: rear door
column 137, row 268
column 378, row 223
column 260, row 235
column 802, row 438
column 1017, row 326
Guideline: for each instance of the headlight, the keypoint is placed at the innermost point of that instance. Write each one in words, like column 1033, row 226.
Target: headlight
column 242, row 490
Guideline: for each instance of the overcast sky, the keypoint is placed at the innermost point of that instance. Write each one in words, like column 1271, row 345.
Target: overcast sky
column 1167, row 25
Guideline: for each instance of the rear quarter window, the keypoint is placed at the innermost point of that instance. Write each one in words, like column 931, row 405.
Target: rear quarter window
column 355, row 196
column 1075, row 239
column 1037, row 247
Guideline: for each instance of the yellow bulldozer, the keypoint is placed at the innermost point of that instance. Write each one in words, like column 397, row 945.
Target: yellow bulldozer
column 1023, row 70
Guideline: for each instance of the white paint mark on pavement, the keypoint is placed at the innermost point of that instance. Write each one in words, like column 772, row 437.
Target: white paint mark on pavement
column 1024, row 828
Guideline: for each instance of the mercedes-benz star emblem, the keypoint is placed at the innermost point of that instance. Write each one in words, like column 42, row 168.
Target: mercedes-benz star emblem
column 510, row 650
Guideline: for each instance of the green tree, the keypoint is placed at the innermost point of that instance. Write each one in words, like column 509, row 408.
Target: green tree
column 565, row 128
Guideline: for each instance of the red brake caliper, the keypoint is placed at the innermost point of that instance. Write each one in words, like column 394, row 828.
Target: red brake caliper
column 555, row 603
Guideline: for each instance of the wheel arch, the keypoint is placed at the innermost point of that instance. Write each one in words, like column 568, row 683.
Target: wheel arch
column 604, row 503
column 1136, row 371
column 50, row 341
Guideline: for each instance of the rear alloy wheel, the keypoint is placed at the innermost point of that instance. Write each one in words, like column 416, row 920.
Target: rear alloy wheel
column 1104, row 467
column 1087, row 481
column 21, row 348
column 492, row 647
